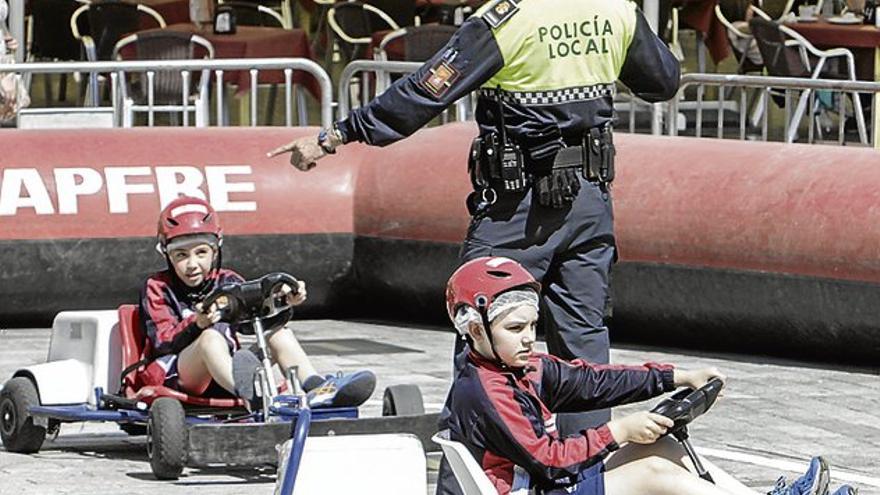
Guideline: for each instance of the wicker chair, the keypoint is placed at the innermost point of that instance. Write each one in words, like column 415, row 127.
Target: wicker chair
column 170, row 93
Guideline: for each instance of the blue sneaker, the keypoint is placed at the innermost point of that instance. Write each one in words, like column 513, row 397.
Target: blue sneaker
column 780, row 488
column 813, row 482
column 846, row 490
column 349, row 390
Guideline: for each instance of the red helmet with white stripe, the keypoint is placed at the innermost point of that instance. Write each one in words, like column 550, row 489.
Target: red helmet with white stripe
column 188, row 216
column 478, row 282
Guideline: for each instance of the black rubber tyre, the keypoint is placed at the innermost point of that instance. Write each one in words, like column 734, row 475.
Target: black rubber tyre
column 166, row 438
column 402, row 400
column 17, row 428
column 133, row 429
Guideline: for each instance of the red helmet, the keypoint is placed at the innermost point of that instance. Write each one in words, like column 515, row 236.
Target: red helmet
column 188, row 216
column 478, row 282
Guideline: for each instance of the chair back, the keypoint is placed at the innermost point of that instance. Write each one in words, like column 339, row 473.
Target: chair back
column 778, row 8
column 422, row 42
column 253, row 14
column 403, row 12
column 469, row 474
column 109, row 21
column 52, row 37
column 740, row 40
column 354, row 22
column 734, row 10
column 163, row 45
column 780, row 60
column 133, row 339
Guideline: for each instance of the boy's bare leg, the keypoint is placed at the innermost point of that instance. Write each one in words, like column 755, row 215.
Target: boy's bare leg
column 668, row 448
column 724, row 480
column 661, row 468
column 287, row 352
column 206, row 358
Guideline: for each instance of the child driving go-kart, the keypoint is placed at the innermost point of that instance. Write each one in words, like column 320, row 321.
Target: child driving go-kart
column 503, row 405
column 190, row 349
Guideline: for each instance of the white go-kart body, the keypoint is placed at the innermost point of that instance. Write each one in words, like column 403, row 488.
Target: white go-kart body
column 85, row 361
column 85, row 352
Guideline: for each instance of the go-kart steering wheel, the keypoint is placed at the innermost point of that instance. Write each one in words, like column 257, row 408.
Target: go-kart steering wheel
column 688, row 404
column 240, row 302
column 685, row 406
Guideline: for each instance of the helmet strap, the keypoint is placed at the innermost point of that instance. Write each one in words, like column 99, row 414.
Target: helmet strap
column 484, row 315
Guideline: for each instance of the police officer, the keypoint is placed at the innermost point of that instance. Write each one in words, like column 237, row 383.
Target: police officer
column 544, row 159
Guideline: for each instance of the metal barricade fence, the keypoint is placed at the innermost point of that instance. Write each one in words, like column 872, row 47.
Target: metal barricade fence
column 767, row 87
column 630, row 105
column 381, row 68
column 217, row 67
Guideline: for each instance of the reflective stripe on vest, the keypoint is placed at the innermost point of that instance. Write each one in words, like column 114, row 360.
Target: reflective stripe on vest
column 552, row 97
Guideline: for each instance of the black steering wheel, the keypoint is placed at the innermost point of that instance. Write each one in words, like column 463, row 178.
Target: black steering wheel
column 242, row 302
column 685, row 406
column 688, row 404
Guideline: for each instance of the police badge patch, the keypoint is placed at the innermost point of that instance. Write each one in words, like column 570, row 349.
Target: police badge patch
column 439, row 78
column 499, row 13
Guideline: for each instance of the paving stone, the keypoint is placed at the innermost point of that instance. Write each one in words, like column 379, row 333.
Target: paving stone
column 773, row 411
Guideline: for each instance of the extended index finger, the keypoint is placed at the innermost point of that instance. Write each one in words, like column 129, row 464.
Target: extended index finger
column 281, row 149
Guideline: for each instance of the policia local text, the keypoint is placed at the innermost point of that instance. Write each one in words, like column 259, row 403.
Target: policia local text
column 573, row 38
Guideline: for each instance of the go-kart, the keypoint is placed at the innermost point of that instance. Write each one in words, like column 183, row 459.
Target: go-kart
column 685, row 406
column 682, row 407
column 91, row 375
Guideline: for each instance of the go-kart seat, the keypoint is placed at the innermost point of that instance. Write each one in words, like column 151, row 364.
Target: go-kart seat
column 469, row 474
column 133, row 338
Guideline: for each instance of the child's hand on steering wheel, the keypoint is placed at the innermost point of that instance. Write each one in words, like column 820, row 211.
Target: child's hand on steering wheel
column 298, row 297
column 642, row 427
column 205, row 319
column 697, row 378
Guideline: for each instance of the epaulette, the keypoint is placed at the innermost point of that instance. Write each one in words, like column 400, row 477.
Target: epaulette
column 500, row 11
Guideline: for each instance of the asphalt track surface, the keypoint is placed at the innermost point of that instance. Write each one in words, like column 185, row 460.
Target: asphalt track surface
column 774, row 415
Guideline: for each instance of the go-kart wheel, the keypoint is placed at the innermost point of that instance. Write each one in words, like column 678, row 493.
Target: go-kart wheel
column 133, row 429
column 402, row 400
column 17, row 428
column 166, row 438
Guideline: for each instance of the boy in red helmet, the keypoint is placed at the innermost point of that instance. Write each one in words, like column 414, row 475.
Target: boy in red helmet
column 195, row 352
column 503, row 404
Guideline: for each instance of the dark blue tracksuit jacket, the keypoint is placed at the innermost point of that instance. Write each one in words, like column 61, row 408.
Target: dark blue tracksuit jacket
column 505, row 417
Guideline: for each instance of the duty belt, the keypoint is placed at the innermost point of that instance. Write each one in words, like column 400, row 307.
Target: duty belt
column 595, row 155
column 502, row 166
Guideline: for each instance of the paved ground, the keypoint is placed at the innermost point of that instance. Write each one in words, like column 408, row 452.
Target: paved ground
column 774, row 416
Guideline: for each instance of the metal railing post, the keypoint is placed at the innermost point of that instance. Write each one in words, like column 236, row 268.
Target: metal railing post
column 217, row 66
column 353, row 68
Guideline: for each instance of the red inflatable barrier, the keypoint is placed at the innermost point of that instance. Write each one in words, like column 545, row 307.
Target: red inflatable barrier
column 746, row 244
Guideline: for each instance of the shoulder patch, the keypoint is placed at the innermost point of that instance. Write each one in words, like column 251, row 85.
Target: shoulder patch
column 500, row 11
column 440, row 78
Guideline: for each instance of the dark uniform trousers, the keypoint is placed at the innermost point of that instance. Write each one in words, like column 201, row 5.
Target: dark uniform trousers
column 570, row 251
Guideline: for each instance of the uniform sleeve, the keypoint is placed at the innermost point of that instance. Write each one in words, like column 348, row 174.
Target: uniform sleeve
column 513, row 432
column 572, row 386
column 470, row 58
column 168, row 333
column 650, row 70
